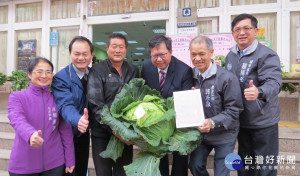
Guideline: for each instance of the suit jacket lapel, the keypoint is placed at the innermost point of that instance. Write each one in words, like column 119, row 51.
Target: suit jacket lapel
column 155, row 77
column 169, row 78
column 74, row 76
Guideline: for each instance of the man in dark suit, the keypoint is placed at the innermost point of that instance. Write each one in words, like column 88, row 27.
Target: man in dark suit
column 167, row 74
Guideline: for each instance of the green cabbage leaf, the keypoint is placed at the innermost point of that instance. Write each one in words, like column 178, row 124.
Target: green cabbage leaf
column 141, row 115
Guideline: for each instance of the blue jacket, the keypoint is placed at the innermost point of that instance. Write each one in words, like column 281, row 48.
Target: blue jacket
column 69, row 96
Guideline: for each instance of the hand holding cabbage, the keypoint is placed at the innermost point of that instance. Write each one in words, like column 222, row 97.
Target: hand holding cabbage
column 141, row 115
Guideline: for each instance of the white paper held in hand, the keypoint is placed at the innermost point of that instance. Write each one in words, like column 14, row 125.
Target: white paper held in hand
column 188, row 108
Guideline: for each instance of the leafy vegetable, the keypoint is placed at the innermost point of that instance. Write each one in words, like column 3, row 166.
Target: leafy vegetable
column 141, row 115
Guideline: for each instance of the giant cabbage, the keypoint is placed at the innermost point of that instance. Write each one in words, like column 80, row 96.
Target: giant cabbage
column 141, row 115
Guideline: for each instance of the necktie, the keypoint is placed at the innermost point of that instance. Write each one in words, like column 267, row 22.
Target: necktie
column 162, row 80
column 200, row 78
column 84, row 82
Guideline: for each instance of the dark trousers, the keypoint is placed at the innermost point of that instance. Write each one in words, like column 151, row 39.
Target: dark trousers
column 179, row 166
column 198, row 159
column 82, row 146
column 106, row 166
column 258, row 142
column 58, row 171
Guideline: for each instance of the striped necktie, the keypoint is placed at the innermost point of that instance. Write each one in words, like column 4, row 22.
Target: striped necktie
column 162, row 80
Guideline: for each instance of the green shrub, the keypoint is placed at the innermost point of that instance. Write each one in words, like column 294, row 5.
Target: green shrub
column 3, row 79
column 20, row 80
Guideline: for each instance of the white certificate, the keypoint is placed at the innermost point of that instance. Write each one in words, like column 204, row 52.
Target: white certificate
column 188, row 108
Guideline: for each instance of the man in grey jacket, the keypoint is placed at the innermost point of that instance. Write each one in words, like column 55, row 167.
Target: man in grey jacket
column 258, row 70
column 222, row 104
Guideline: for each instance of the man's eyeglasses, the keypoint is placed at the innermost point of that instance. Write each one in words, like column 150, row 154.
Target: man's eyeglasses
column 162, row 56
column 245, row 29
column 41, row 72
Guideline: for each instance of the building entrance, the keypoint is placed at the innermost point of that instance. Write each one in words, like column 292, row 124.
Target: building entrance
column 137, row 33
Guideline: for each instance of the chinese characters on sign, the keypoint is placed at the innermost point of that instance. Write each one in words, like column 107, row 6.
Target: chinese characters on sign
column 222, row 43
column 102, row 7
column 180, row 48
column 180, row 45
column 270, row 162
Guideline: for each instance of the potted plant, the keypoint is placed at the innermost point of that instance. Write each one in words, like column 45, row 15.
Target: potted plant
column 3, row 79
column 20, row 80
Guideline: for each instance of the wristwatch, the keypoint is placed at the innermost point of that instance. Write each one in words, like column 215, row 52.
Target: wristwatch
column 260, row 93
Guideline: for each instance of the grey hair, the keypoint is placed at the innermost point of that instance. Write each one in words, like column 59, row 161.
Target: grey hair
column 203, row 39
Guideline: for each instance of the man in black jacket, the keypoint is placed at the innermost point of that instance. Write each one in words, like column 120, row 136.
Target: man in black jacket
column 106, row 79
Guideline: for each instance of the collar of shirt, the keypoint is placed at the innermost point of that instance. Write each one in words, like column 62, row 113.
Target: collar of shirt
column 79, row 73
column 165, row 70
column 249, row 49
column 204, row 74
column 241, row 53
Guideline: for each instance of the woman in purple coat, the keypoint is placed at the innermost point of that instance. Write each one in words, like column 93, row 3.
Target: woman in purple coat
column 43, row 143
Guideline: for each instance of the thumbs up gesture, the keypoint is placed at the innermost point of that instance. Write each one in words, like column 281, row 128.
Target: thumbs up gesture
column 36, row 139
column 251, row 93
column 83, row 122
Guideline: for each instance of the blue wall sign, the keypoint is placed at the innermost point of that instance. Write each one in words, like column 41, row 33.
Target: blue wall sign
column 186, row 12
column 53, row 38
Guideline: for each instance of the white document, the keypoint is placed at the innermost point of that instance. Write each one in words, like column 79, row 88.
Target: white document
column 188, row 108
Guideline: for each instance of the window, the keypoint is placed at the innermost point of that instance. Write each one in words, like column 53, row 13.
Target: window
column 198, row 3
column 208, row 25
column 60, row 54
column 29, row 12
column 267, row 22
column 3, row 14
column 61, row 9
column 104, row 7
column 3, row 53
column 249, row 2
column 294, row 38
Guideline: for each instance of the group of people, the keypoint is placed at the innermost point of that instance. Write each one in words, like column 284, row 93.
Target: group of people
column 53, row 116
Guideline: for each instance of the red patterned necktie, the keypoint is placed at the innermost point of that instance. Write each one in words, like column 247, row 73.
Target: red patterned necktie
column 162, row 80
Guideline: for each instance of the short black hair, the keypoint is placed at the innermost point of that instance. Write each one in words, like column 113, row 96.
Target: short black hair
column 242, row 17
column 159, row 39
column 81, row 39
column 116, row 35
column 34, row 61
